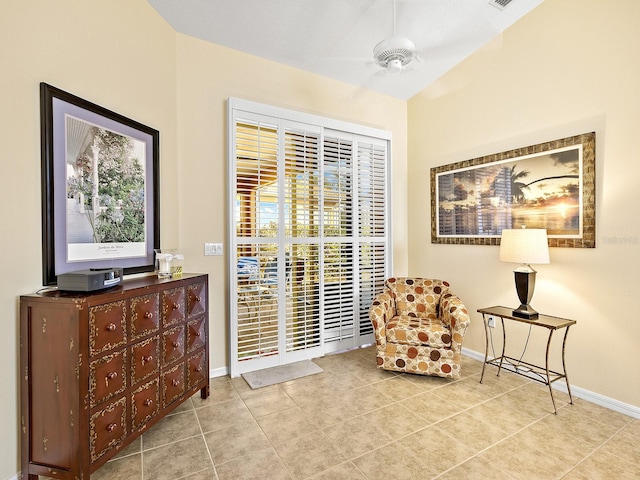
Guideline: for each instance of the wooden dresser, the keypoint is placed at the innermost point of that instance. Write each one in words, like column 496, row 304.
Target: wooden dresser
column 98, row 369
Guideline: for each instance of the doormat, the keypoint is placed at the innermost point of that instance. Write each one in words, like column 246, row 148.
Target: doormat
column 281, row 373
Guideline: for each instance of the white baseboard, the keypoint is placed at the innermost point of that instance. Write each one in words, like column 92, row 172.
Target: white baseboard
column 589, row 396
column 218, row 372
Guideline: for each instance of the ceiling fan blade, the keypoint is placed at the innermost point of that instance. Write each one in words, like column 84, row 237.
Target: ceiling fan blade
column 369, row 82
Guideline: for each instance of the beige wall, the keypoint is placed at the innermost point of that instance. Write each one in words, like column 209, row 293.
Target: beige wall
column 208, row 75
column 566, row 68
column 121, row 55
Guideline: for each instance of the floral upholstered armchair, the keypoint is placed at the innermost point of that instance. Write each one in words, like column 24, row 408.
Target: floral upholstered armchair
column 419, row 325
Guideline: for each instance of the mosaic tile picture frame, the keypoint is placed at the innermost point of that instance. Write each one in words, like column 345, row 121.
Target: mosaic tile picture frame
column 549, row 185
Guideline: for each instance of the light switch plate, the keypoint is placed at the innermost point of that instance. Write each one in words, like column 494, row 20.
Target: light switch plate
column 213, row 249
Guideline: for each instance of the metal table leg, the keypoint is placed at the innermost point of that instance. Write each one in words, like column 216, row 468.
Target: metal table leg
column 486, row 346
column 504, row 345
column 546, row 366
column 564, row 367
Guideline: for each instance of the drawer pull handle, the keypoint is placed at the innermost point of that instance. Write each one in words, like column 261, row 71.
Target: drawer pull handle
column 148, row 402
column 198, row 369
column 197, row 298
column 111, row 327
column 147, row 359
column 176, row 306
column 176, row 344
column 197, row 334
column 175, row 382
column 148, row 315
column 111, row 427
column 110, row 376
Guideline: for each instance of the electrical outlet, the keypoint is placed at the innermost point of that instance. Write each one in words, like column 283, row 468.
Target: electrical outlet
column 491, row 321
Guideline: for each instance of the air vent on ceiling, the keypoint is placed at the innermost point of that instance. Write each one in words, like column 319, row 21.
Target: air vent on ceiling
column 501, row 4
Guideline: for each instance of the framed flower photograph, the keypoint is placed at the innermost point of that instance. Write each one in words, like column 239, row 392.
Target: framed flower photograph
column 100, row 199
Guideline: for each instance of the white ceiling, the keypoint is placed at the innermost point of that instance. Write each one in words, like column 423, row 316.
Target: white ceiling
column 335, row 38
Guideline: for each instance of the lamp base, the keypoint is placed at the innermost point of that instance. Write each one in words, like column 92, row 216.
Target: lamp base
column 525, row 278
column 525, row 311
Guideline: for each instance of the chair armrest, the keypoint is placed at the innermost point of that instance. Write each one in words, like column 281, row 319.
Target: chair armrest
column 454, row 314
column 381, row 311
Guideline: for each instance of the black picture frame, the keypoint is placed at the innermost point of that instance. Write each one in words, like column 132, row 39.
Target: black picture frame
column 100, row 188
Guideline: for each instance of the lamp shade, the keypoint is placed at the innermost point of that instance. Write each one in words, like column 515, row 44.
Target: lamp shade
column 524, row 245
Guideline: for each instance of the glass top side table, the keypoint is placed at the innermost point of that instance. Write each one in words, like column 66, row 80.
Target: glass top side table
column 542, row 374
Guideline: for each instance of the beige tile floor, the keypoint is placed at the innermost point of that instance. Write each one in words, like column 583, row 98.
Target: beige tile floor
column 355, row 422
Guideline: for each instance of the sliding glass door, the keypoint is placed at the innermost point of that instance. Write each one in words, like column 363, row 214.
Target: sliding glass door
column 309, row 236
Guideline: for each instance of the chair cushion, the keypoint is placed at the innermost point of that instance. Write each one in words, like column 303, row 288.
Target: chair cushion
column 419, row 297
column 411, row 330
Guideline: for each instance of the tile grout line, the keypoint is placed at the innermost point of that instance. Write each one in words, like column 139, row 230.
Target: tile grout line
column 267, row 437
column 255, row 420
column 141, row 457
column 446, row 418
column 206, row 445
column 599, row 447
column 435, row 392
column 399, row 402
column 477, row 454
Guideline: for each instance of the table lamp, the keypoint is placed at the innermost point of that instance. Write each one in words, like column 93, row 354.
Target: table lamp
column 524, row 246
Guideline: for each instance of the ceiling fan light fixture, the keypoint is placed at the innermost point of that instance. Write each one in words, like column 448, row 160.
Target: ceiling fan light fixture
column 394, row 65
column 394, row 53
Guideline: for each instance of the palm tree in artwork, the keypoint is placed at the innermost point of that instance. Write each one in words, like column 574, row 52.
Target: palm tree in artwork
column 517, row 186
column 509, row 184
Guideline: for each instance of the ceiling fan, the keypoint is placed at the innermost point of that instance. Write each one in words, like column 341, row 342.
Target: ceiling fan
column 400, row 54
column 395, row 53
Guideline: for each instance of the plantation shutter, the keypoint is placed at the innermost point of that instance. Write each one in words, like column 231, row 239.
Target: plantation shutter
column 309, row 234
column 339, row 262
column 256, row 237
column 302, row 231
column 372, row 224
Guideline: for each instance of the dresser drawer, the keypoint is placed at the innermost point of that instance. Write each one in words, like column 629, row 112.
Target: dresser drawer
column 107, row 377
column 145, row 315
column 196, row 334
column 172, row 384
column 144, row 359
column 173, row 345
column 54, row 380
column 196, row 299
column 107, row 325
column 107, row 428
column 145, row 403
column 173, row 306
column 196, row 369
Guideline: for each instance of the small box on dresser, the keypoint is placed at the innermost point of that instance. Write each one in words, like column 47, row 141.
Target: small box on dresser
column 98, row 369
